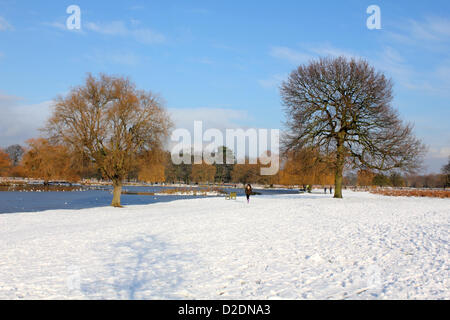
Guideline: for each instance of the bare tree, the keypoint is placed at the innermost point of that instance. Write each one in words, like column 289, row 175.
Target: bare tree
column 15, row 153
column 343, row 107
column 111, row 122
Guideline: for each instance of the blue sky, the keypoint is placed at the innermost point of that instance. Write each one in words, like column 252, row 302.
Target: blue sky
column 221, row 61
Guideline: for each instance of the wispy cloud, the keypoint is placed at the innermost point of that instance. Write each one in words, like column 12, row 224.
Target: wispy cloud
column 440, row 153
column 20, row 121
column 5, row 25
column 291, row 55
column 430, row 35
column 116, row 58
column 326, row 49
column 308, row 52
column 112, row 28
column 435, row 30
column 218, row 118
column 272, row 82
column 147, row 36
column 56, row 24
column 435, row 80
column 119, row 28
column 388, row 59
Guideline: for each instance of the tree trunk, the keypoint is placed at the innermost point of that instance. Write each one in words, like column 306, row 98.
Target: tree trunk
column 338, row 184
column 117, row 193
column 340, row 160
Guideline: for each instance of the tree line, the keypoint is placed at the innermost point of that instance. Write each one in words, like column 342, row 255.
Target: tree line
column 366, row 178
column 41, row 160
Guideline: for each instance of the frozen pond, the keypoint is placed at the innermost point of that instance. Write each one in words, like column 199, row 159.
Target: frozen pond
column 11, row 202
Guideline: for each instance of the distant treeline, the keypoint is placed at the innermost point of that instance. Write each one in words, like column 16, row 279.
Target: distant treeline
column 368, row 178
column 41, row 159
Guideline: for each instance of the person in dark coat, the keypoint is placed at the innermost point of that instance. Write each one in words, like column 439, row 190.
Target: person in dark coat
column 248, row 192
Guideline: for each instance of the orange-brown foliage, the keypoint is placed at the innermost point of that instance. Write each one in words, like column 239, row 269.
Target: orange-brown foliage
column 203, row 172
column 413, row 193
column 303, row 168
column 46, row 161
column 5, row 164
column 251, row 173
column 365, row 178
column 151, row 167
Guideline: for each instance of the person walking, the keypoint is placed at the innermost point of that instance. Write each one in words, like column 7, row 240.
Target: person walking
column 248, row 192
column 325, row 190
column 331, row 190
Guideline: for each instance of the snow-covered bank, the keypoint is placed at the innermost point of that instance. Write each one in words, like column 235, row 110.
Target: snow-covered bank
column 287, row 246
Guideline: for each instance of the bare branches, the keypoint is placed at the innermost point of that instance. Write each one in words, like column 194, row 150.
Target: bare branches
column 343, row 107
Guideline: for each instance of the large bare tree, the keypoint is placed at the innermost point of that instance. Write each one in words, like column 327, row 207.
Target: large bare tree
column 343, row 107
column 110, row 122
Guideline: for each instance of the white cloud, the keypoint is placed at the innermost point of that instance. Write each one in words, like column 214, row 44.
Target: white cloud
column 431, row 30
column 436, row 158
column 290, row 55
column 56, row 24
column 435, row 80
column 393, row 63
column 5, row 25
column 112, row 28
column 119, row 28
column 273, row 82
column 309, row 52
column 219, row 118
column 428, row 37
column 442, row 75
column 20, row 122
column 440, row 153
column 147, row 36
column 325, row 50
column 123, row 58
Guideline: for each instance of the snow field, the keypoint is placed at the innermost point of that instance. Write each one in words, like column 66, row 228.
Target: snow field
column 306, row 246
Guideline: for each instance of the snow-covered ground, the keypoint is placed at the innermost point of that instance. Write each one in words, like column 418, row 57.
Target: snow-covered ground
column 277, row 247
